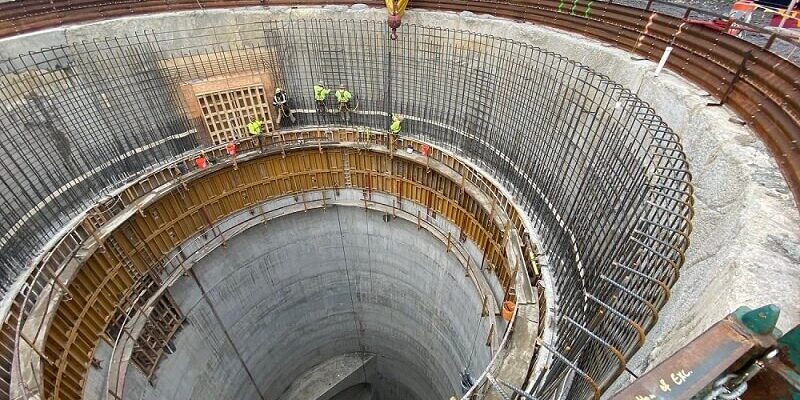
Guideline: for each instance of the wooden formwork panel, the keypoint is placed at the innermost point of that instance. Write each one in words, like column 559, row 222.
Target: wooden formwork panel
column 78, row 322
column 226, row 103
column 142, row 243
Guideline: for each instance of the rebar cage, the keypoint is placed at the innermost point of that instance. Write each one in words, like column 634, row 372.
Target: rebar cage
column 603, row 179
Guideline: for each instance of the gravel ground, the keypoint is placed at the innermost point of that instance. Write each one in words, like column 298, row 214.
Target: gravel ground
column 786, row 49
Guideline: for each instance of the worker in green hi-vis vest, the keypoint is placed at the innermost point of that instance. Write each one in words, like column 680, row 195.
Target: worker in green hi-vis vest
column 343, row 97
column 256, row 128
column 320, row 95
column 395, row 126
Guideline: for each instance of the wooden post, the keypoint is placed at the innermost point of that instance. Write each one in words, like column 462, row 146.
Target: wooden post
column 449, row 241
column 54, row 277
column 505, row 233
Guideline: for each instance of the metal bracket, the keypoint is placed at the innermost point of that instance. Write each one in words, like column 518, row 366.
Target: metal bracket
column 735, row 78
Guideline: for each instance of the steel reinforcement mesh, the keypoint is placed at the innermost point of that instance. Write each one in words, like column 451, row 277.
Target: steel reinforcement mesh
column 603, row 179
column 77, row 120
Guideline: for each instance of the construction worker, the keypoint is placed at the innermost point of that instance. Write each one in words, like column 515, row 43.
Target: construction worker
column 256, row 128
column 281, row 101
column 395, row 126
column 320, row 95
column 343, row 97
column 201, row 162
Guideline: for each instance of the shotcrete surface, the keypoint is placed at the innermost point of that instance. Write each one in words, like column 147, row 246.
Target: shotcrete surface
column 309, row 287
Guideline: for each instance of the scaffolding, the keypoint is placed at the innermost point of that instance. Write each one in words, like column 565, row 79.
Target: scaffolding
column 603, row 179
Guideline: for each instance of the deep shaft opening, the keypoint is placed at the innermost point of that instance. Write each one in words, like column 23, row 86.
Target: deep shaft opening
column 327, row 300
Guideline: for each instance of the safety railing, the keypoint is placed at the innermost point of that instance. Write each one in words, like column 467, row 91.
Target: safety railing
column 76, row 239
column 181, row 263
column 297, row 138
column 22, row 16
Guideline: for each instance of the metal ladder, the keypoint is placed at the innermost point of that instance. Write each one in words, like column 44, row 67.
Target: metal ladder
column 125, row 260
column 348, row 181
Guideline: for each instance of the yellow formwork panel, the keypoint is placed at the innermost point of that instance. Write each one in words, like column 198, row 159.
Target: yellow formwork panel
column 154, row 232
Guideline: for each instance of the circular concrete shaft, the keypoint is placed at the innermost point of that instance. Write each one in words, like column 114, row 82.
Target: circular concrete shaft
column 313, row 287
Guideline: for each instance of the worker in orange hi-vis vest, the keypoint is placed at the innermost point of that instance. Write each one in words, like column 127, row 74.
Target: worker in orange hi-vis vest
column 201, row 162
column 425, row 150
column 230, row 148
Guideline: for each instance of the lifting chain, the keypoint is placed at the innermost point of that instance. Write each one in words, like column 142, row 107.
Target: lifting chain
column 733, row 386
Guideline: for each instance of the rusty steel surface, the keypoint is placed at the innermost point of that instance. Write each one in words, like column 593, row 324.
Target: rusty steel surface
column 726, row 346
column 774, row 382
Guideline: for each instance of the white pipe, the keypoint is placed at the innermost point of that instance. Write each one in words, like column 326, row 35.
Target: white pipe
column 789, row 9
column 664, row 58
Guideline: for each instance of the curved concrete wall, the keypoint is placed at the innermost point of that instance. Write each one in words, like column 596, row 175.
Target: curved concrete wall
column 601, row 175
column 307, row 287
column 745, row 244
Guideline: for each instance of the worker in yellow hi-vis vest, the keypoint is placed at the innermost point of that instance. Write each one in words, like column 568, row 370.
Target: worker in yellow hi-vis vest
column 320, row 95
column 256, row 128
column 343, row 97
column 395, row 127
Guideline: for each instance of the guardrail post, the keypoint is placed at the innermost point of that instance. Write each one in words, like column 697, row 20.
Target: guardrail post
column 770, row 41
column 736, row 77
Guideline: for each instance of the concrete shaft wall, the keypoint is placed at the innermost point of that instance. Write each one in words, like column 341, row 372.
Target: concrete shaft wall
column 745, row 242
column 577, row 155
column 308, row 287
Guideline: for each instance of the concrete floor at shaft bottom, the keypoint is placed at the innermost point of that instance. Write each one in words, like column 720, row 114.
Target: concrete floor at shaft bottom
column 325, row 304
